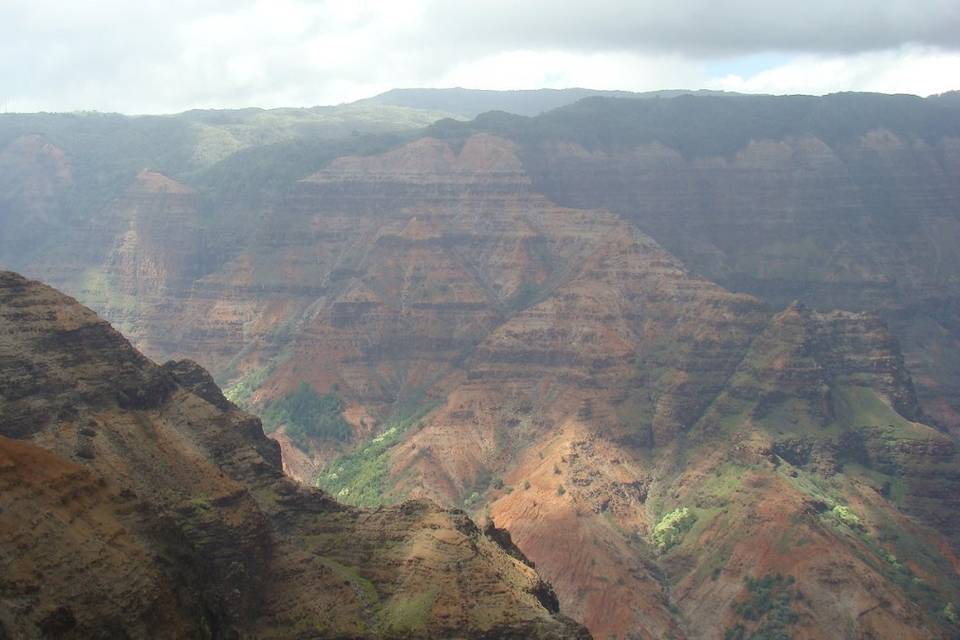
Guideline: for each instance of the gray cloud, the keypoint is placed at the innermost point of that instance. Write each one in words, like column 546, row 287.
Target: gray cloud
column 170, row 55
column 700, row 27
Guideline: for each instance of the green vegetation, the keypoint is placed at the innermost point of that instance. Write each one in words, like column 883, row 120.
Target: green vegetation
column 106, row 150
column 916, row 552
column 363, row 587
column 892, row 487
column 858, row 406
column 826, row 490
column 669, row 531
column 471, row 501
column 525, row 296
column 768, row 605
column 224, row 154
column 847, row 517
column 472, row 102
column 241, row 391
column 360, row 477
column 950, row 613
column 201, row 502
column 306, row 414
column 220, row 133
column 258, row 171
column 699, row 125
column 719, row 487
column 98, row 291
column 403, row 615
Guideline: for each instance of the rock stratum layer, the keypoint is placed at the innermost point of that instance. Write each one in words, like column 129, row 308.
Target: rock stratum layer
column 138, row 502
column 582, row 327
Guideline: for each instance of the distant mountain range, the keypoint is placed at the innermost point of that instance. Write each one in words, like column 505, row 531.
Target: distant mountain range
column 469, row 103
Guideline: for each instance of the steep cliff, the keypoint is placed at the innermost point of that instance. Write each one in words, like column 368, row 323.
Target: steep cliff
column 848, row 201
column 581, row 327
column 624, row 389
column 138, row 502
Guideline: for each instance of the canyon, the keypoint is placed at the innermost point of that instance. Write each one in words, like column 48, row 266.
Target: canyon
column 696, row 353
column 138, row 502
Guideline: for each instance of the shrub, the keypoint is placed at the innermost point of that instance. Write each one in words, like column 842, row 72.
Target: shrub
column 739, row 632
column 769, row 604
column 561, row 490
column 669, row 531
column 307, row 414
column 525, row 295
column 950, row 613
column 847, row 517
column 242, row 390
column 363, row 472
column 201, row 502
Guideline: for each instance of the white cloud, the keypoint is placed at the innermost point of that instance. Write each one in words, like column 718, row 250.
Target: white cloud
column 170, row 55
column 559, row 69
column 916, row 70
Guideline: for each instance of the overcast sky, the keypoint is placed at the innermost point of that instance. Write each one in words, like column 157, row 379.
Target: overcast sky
column 160, row 56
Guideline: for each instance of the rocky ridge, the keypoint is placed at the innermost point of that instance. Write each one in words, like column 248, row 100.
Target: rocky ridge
column 156, row 508
column 519, row 317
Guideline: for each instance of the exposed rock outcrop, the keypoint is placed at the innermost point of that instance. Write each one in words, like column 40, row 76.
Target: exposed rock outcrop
column 538, row 320
column 172, row 518
column 860, row 224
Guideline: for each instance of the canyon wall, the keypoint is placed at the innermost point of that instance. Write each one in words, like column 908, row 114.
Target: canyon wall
column 138, row 502
column 687, row 350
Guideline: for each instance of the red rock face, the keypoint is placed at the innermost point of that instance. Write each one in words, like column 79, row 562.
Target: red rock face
column 795, row 218
column 155, row 508
column 42, row 172
column 34, row 178
column 153, row 254
column 583, row 382
column 726, row 214
column 865, row 224
column 620, row 351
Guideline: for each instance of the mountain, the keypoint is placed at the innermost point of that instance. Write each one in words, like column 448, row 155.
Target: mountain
column 138, row 502
column 696, row 353
column 581, row 386
column 849, row 200
column 469, row 103
column 105, row 151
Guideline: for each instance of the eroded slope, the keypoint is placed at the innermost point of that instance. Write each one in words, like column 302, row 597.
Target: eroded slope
column 137, row 501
